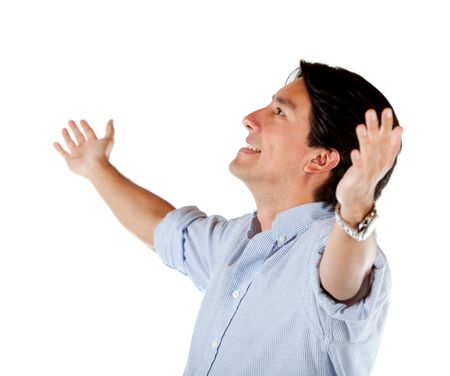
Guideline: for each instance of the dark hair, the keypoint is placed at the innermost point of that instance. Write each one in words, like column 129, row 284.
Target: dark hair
column 339, row 100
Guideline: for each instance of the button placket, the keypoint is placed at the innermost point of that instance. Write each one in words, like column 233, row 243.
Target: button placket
column 239, row 283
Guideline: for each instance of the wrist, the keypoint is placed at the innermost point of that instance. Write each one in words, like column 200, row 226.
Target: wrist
column 354, row 214
column 361, row 230
column 97, row 168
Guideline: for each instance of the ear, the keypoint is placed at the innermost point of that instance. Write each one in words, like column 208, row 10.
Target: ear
column 323, row 161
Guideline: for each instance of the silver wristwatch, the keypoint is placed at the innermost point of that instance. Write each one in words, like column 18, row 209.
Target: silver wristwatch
column 364, row 228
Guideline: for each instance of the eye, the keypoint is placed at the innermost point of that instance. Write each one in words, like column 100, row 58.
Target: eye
column 279, row 111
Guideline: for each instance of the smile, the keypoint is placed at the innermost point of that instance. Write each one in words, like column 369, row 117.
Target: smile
column 253, row 148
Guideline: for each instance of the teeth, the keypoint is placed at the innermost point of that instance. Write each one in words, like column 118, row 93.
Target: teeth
column 253, row 148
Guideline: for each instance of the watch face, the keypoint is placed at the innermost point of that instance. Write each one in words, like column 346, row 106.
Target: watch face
column 370, row 226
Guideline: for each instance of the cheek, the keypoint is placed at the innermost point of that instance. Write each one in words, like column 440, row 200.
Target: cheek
column 287, row 148
column 285, row 159
column 294, row 149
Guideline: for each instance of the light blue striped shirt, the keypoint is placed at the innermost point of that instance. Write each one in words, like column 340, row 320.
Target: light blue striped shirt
column 264, row 311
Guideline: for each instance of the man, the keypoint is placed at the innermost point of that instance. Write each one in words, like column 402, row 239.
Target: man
column 296, row 288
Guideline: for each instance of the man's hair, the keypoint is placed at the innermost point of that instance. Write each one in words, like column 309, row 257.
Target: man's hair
column 339, row 100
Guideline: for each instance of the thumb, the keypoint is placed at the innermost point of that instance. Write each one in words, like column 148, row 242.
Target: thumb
column 355, row 157
column 110, row 130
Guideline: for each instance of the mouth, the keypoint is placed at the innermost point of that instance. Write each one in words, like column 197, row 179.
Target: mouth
column 253, row 148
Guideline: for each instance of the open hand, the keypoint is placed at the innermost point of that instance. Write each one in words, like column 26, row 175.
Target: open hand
column 378, row 148
column 88, row 150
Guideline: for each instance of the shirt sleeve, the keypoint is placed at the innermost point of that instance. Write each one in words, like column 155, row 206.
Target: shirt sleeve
column 189, row 241
column 339, row 323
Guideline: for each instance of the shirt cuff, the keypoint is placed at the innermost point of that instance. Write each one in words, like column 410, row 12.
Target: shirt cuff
column 169, row 236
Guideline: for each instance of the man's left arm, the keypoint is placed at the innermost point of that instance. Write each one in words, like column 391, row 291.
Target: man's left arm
column 347, row 263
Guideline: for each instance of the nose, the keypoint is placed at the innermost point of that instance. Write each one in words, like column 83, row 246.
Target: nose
column 251, row 122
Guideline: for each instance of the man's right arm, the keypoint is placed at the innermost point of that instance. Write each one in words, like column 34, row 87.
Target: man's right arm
column 139, row 210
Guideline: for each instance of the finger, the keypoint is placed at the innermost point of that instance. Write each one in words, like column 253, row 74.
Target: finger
column 396, row 138
column 60, row 150
column 363, row 138
column 372, row 123
column 110, row 130
column 387, row 121
column 88, row 131
column 78, row 135
column 69, row 142
column 355, row 157
column 395, row 145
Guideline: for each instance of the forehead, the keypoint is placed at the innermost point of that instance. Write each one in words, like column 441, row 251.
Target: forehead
column 296, row 93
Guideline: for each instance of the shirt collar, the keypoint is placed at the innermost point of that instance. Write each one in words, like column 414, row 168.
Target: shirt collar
column 292, row 221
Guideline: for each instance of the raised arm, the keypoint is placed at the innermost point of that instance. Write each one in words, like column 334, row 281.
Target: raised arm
column 346, row 263
column 139, row 210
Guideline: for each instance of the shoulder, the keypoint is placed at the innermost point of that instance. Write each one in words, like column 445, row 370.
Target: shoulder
column 320, row 230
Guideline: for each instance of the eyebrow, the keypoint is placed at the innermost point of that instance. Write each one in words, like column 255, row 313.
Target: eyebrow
column 284, row 101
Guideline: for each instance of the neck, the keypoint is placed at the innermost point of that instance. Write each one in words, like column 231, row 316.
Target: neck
column 270, row 202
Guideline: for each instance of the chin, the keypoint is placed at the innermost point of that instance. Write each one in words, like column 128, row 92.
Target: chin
column 233, row 168
column 240, row 172
column 236, row 170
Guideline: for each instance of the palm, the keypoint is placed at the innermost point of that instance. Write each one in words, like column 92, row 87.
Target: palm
column 85, row 154
column 378, row 148
column 88, row 149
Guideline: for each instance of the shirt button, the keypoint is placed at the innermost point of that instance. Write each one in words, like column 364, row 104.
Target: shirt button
column 235, row 294
column 214, row 344
column 281, row 239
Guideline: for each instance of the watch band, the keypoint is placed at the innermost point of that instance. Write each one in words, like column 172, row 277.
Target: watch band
column 365, row 227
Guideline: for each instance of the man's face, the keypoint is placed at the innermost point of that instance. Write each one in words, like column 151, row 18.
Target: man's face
column 280, row 133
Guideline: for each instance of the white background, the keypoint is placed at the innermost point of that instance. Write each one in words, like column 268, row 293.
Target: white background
column 81, row 296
